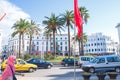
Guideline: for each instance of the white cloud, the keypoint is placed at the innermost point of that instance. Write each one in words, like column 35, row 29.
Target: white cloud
column 13, row 13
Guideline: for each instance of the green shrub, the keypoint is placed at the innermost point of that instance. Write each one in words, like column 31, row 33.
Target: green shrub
column 49, row 57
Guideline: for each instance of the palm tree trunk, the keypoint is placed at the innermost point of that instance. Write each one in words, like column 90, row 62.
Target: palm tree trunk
column 23, row 44
column 30, row 46
column 69, row 41
column 79, row 48
column 54, row 45
column 47, row 44
column 82, row 47
column 50, row 42
column 19, row 46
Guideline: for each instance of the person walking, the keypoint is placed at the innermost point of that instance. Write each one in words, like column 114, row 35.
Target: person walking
column 9, row 72
column 0, row 63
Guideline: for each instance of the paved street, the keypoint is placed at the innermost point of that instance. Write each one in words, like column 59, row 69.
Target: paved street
column 57, row 73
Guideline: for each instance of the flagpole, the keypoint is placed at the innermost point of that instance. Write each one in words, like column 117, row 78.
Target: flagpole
column 74, row 54
column 78, row 24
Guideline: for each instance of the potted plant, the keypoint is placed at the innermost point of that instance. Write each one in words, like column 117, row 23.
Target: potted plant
column 101, row 75
column 112, row 75
column 86, row 75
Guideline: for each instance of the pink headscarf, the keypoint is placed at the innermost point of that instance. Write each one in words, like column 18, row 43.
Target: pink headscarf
column 7, row 72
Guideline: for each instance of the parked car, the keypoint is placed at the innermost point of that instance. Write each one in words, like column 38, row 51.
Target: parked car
column 41, row 63
column 106, row 63
column 68, row 62
column 20, row 65
column 84, row 59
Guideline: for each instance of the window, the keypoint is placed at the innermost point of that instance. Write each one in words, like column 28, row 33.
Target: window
column 95, row 44
column 65, row 48
column 36, row 60
column 51, row 43
column 117, row 59
column 60, row 43
column 89, row 50
column 27, row 48
column 61, row 48
column 42, row 61
column 37, row 48
column 91, row 44
column 101, row 60
column 98, row 44
column 113, row 59
column 56, row 43
column 110, row 59
column 37, row 37
column 21, row 62
column 92, row 50
column 37, row 43
column 95, row 50
column 56, row 38
column 66, row 43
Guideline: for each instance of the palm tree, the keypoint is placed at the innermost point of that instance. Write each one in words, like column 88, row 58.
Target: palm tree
column 31, row 30
column 79, row 40
column 19, row 28
column 85, row 17
column 53, row 23
column 47, row 33
column 118, row 25
column 68, row 20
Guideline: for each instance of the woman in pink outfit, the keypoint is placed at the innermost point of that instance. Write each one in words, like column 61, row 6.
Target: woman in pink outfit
column 9, row 70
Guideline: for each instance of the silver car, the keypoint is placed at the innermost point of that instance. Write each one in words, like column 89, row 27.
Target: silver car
column 108, row 62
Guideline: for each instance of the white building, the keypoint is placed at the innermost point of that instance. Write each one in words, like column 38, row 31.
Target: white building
column 99, row 44
column 39, row 44
column 0, row 41
column 118, row 28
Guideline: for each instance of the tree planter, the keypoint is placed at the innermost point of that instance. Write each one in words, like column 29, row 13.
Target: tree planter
column 86, row 75
column 101, row 76
column 112, row 75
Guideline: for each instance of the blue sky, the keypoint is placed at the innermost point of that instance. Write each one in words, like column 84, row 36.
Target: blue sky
column 104, row 14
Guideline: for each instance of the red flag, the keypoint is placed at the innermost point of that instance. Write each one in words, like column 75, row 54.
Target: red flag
column 78, row 18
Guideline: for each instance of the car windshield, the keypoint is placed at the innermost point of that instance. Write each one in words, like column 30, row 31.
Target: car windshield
column 94, row 60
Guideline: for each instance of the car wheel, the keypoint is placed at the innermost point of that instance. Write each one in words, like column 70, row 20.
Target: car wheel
column 49, row 66
column 92, row 70
column 31, row 70
column 80, row 65
column 117, row 69
column 66, row 65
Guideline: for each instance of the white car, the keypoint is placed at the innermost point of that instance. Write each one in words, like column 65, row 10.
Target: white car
column 109, row 62
column 84, row 59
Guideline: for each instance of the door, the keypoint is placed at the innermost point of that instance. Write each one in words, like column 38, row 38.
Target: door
column 36, row 62
column 101, row 63
column 20, row 65
column 43, row 63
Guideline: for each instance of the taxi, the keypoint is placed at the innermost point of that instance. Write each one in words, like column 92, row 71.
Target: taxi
column 21, row 65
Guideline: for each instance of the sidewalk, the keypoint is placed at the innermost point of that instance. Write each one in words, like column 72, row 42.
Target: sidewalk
column 62, row 78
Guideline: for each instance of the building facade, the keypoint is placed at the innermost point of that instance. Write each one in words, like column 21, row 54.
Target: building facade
column 99, row 44
column 118, row 29
column 0, row 41
column 40, row 44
